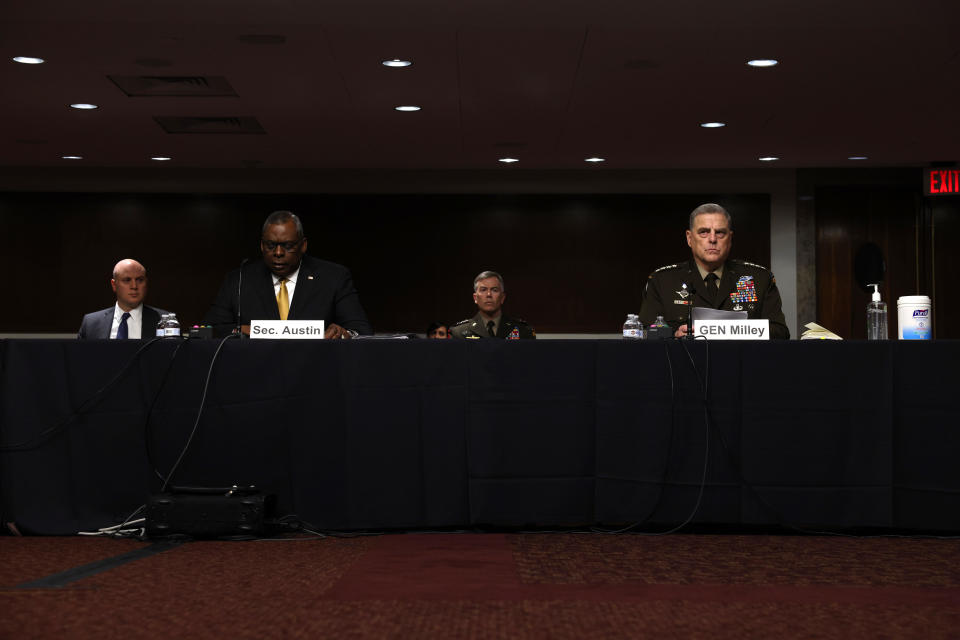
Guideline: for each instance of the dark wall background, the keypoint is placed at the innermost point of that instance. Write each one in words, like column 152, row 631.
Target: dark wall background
column 943, row 229
column 572, row 263
column 847, row 218
column 915, row 233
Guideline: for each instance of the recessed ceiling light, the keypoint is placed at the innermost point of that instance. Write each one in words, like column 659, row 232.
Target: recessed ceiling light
column 72, row 157
column 594, row 159
column 508, row 160
column 763, row 62
column 713, row 125
column 396, row 62
column 28, row 60
column 83, row 105
column 857, row 158
column 408, row 107
column 161, row 158
column 768, row 158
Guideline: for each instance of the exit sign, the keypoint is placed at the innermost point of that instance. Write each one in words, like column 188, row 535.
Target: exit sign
column 941, row 182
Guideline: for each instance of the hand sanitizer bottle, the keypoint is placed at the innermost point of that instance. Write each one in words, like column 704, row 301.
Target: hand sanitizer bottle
column 876, row 316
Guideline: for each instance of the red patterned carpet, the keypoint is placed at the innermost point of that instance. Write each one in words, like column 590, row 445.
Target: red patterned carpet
column 488, row 586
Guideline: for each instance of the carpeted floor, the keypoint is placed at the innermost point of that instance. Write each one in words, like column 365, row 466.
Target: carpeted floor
column 485, row 586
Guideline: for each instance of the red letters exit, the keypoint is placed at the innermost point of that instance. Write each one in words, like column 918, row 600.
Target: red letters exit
column 941, row 181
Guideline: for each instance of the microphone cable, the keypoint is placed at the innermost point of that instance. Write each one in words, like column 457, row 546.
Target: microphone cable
column 147, row 430
column 706, row 443
column 669, row 456
column 735, row 463
column 238, row 330
column 669, row 453
column 85, row 406
column 196, row 424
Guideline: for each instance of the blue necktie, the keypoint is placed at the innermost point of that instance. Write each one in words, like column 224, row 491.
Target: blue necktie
column 122, row 331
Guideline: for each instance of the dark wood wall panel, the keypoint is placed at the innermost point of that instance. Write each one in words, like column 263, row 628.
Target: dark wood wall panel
column 944, row 213
column 917, row 253
column 572, row 263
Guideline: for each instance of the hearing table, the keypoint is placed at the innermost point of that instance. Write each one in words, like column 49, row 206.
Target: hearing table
column 413, row 434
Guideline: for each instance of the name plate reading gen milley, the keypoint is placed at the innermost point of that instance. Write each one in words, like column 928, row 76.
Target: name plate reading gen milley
column 287, row 329
column 732, row 329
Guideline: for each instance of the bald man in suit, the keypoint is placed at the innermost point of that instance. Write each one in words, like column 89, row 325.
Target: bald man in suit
column 129, row 318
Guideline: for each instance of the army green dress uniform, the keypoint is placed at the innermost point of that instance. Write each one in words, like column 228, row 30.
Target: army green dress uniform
column 744, row 287
column 508, row 329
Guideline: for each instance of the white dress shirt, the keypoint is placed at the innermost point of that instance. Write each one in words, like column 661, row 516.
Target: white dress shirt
column 134, row 322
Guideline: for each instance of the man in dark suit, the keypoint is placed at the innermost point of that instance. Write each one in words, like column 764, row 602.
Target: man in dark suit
column 129, row 318
column 709, row 279
column 490, row 322
column 288, row 285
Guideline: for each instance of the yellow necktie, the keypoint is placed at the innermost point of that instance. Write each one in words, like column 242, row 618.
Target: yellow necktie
column 283, row 300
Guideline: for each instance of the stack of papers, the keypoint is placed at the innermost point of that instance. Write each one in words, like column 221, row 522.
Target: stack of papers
column 816, row 332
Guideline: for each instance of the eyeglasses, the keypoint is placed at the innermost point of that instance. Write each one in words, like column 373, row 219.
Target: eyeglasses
column 287, row 246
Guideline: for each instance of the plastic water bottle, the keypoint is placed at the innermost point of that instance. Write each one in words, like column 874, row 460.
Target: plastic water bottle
column 172, row 326
column 659, row 329
column 161, row 326
column 632, row 329
column 876, row 316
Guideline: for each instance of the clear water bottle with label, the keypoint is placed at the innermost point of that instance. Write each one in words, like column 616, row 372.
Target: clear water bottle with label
column 632, row 329
column 172, row 326
column 876, row 316
column 162, row 324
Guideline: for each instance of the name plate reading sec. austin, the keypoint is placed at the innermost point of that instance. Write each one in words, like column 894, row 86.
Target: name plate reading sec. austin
column 732, row 329
column 287, row 329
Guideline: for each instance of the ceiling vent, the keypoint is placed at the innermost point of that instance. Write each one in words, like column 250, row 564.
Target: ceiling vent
column 136, row 86
column 186, row 124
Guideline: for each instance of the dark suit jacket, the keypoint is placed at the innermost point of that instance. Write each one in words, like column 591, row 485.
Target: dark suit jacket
column 96, row 325
column 324, row 291
column 757, row 294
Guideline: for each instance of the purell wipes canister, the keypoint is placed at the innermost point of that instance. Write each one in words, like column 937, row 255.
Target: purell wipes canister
column 914, row 319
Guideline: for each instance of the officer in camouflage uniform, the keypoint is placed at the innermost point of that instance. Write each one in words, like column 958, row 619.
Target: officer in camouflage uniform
column 489, row 294
column 709, row 279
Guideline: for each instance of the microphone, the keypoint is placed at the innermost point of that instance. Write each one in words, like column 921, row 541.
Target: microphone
column 237, row 330
column 692, row 292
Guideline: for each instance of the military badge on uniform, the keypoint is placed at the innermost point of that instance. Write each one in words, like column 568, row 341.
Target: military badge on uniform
column 683, row 293
column 514, row 334
column 746, row 292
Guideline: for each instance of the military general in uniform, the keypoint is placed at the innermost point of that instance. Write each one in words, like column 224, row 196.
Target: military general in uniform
column 490, row 322
column 710, row 279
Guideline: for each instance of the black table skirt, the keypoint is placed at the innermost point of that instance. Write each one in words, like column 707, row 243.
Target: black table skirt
column 418, row 434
